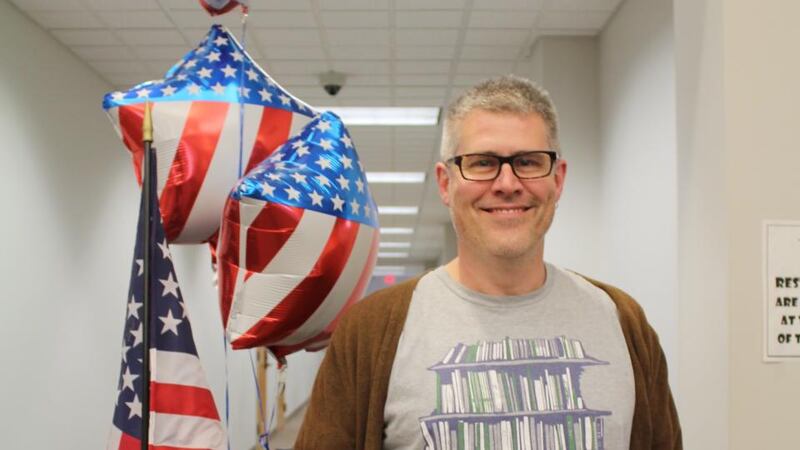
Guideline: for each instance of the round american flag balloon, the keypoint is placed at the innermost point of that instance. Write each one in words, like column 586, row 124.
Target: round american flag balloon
column 196, row 130
column 298, row 242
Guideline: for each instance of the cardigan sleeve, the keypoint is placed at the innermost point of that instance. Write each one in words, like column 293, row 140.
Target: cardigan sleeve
column 663, row 414
column 329, row 421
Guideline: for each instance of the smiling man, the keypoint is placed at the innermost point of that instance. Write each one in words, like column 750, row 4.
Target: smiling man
column 498, row 349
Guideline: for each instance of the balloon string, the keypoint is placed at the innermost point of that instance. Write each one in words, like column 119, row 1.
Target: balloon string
column 241, row 93
column 263, row 438
column 227, row 392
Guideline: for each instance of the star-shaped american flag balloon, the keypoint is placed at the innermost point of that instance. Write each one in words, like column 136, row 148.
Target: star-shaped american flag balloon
column 196, row 126
column 298, row 242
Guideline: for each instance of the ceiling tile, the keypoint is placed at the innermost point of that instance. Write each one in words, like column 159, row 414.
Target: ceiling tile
column 86, row 37
column 588, row 20
column 434, row 93
column 468, row 80
column 526, row 5
column 354, row 4
column 151, row 37
column 430, row 4
column 368, row 80
column 283, row 19
column 271, row 5
column 367, row 101
column 164, row 53
column 422, row 80
column 192, row 18
column 104, row 53
column 490, row 52
column 116, row 67
column 425, row 52
column 49, row 5
column 480, row 67
column 126, row 80
column 581, row 5
column 361, row 67
column 355, row 19
column 428, row 19
column 502, row 19
column 274, row 36
column 359, row 52
column 358, row 36
column 307, row 67
column 496, row 37
column 294, row 52
column 65, row 19
column 302, row 92
column 364, row 92
column 302, row 80
column 135, row 19
column 121, row 5
column 426, row 37
column 421, row 67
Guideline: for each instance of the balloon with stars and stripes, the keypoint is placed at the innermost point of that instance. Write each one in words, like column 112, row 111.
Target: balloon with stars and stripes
column 298, row 242
column 196, row 126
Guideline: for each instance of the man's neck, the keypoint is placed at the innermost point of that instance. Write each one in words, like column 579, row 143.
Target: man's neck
column 498, row 276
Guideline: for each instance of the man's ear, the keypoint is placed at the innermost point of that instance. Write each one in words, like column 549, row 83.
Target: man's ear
column 560, row 174
column 443, row 180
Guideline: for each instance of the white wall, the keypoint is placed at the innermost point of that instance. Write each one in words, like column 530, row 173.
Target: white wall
column 70, row 205
column 638, row 141
column 702, row 226
column 567, row 68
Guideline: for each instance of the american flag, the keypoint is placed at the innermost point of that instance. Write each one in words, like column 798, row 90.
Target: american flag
column 298, row 242
column 217, row 7
column 183, row 414
column 196, row 129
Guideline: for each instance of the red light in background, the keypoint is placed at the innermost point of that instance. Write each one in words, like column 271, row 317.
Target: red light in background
column 389, row 279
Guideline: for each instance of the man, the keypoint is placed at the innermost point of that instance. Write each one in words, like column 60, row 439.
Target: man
column 497, row 349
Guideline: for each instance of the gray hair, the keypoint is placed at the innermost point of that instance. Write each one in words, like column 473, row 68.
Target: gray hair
column 507, row 94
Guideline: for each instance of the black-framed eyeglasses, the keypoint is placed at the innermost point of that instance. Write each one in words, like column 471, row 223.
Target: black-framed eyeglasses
column 485, row 167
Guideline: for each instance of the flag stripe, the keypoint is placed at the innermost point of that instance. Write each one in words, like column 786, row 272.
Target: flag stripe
column 185, row 400
column 293, row 310
column 341, row 292
column 363, row 280
column 228, row 258
column 170, row 117
column 186, row 431
column 320, row 341
column 223, row 170
column 273, row 130
column 285, row 272
column 268, row 233
column 188, row 173
column 176, row 368
column 130, row 123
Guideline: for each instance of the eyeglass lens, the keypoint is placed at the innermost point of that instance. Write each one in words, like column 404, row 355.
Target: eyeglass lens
column 487, row 167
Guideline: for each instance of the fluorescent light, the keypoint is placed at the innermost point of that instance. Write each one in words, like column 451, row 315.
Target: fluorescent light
column 392, row 254
column 394, row 245
column 397, row 230
column 399, row 210
column 396, row 177
column 386, row 115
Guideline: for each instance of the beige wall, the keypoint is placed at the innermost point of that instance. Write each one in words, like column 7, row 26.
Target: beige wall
column 762, row 94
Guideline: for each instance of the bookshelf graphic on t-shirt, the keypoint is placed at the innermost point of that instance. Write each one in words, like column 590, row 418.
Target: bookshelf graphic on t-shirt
column 513, row 394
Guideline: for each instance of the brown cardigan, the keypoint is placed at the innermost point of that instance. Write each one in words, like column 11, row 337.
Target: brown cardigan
column 346, row 407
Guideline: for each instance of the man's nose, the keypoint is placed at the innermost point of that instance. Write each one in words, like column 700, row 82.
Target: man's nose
column 506, row 180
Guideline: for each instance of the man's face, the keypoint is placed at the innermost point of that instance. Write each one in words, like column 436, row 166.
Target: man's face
column 505, row 217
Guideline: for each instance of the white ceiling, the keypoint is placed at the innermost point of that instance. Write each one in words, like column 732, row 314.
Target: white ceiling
column 394, row 52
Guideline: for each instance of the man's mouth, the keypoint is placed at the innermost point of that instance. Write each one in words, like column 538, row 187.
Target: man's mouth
column 507, row 209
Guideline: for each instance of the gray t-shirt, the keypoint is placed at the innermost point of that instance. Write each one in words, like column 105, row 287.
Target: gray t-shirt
column 547, row 370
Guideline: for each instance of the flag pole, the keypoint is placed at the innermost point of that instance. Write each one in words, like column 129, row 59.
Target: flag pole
column 147, row 177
